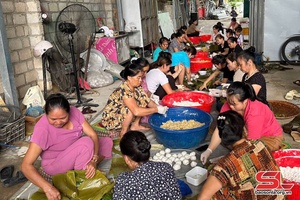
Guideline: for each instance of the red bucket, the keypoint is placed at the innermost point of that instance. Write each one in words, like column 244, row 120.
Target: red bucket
column 205, row 100
column 195, row 39
column 205, row 38
column 200, row 63
column 289, row 158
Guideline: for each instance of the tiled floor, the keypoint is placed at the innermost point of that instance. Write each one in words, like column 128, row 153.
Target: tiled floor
column 278, row 84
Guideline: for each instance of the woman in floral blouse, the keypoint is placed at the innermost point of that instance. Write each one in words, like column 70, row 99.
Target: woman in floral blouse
column 129, row 102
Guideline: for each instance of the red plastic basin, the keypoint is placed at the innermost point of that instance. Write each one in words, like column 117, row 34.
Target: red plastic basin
column 205, row 38
column 195, row 39
column 205, row 100
column 200, row 63
column 201, row 54
column 289, row 158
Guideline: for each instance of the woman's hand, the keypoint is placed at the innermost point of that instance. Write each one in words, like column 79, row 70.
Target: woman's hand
column 181, row 67
column 52, row 193
column 217, row 82
column 91, row 169
column 203, row 86
column 204, row 156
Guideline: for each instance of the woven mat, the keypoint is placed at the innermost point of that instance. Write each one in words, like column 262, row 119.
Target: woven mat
column 103, row 132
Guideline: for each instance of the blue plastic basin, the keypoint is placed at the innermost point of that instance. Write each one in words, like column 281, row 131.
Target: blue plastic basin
column 181, row 139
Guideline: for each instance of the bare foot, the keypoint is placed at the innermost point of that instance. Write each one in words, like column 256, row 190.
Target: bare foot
column 139, row 128
column 113, row 134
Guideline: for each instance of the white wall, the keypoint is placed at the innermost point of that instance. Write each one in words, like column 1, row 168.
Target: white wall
column 281, row 20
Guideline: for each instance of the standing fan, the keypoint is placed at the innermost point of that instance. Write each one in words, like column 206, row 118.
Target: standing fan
column 75, row 31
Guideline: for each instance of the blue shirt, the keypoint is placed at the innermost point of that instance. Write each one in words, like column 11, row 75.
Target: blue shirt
column 156, row 53
column 181, row 57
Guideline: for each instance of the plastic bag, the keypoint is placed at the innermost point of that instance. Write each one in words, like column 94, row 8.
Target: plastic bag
column 34, row 97
column 114, row 69
column 99, row 79
column 97, row 61
column 74, row 185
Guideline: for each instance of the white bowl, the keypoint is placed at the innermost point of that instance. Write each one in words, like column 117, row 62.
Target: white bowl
column 202, row 72
column 196, row 175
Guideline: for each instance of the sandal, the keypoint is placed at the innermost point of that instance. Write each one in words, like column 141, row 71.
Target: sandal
column 288, row 128
column 296, row 136
column 294, row 132
column 297, row 82
column 87, row 110
column 19, row 178
column 291, row 94
column 6, row 172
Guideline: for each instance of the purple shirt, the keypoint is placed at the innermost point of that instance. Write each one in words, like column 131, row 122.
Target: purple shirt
column 54, row 140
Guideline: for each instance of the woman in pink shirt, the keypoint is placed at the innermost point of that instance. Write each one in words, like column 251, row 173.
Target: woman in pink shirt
column 59, row 140
column 259, row 118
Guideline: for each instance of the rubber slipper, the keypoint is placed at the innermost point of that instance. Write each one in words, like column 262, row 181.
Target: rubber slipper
column 19, row 178
column 297, row 82
column 289, row 96
column 87, row 110
column 287, row 128
column 293, row 92
column 296, row 136
column 297, row 95
column 6, row 172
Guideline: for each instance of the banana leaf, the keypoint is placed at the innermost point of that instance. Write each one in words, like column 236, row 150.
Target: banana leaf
column 40, row 195
column 118, row 166
column 116, row 144
column 74, row 186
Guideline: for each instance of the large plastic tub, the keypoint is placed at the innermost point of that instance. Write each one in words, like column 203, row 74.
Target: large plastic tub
column 205, row 38
column 205, row 100
column 289, row 158
column 201, row 54
column 200, row 63
column 195, row 39
column 181, row 139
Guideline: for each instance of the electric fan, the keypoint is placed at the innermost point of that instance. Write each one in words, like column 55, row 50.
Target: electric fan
column 75, row 30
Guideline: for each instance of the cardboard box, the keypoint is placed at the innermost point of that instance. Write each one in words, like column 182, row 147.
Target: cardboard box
column 30, row 123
